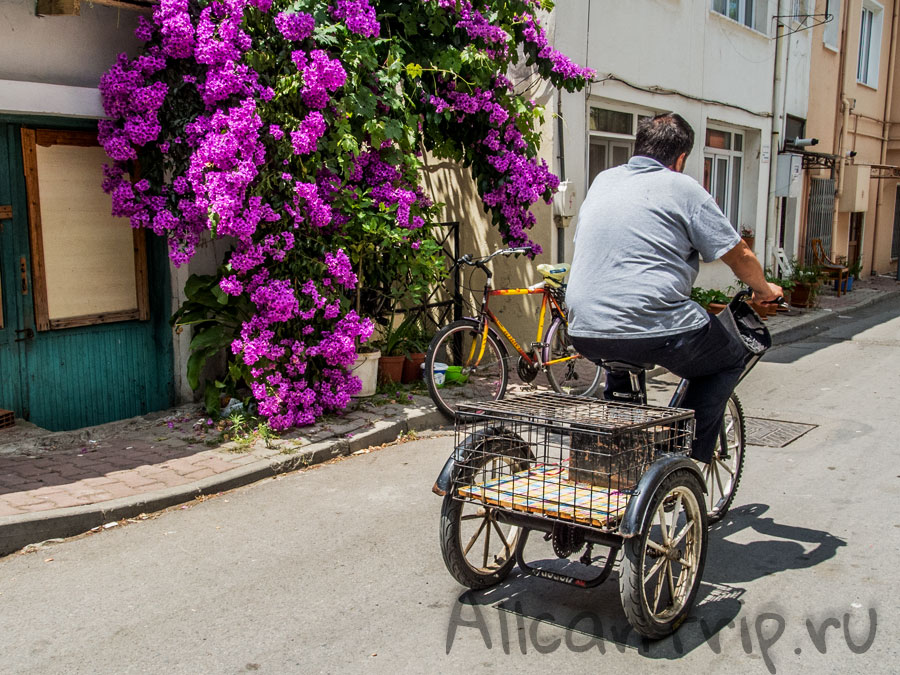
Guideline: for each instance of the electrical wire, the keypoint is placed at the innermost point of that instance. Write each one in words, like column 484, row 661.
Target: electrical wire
column 662, row 91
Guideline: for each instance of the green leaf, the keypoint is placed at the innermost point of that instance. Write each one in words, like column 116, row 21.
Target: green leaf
column 413, row 70
column 195, row 365
column 211, row 399
column 210, row 337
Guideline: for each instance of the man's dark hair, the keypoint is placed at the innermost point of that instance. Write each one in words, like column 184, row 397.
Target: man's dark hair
column 664, row 138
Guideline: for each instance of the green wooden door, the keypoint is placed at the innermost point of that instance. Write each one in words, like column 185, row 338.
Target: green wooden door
column 58, row 374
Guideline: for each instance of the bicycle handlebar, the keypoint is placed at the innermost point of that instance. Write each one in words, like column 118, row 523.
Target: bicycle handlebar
column 467, row 259
column 747, row 295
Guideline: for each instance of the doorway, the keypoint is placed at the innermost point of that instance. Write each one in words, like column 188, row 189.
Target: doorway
column 84, row 336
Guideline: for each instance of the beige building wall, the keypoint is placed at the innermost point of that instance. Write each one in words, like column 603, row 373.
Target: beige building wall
column 450, row 184
column 850, row 116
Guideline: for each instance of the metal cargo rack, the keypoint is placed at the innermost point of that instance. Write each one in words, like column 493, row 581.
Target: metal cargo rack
column 564, row 458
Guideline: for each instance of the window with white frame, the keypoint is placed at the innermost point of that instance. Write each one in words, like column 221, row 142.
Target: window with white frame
column 751, row 13
column 612, row 134
column 832, row 30
column 871, row 19
column 723, row 164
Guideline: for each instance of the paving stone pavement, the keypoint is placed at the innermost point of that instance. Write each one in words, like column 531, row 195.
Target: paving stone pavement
column 59, row 484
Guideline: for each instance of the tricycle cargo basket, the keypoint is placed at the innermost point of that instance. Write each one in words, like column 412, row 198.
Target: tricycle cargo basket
column 567, row 458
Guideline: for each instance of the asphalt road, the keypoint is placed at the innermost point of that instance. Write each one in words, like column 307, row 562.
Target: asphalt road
column 338, row 568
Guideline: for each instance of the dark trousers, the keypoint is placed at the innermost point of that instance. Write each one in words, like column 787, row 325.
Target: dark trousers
column 710, row 358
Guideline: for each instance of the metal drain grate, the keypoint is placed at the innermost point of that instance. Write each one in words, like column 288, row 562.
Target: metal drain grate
column 774, row 433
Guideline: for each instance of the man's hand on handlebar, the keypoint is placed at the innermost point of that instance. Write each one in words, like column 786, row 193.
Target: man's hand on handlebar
column 773, row 293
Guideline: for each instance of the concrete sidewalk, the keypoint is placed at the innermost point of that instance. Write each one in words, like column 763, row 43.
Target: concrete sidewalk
column 55, row 485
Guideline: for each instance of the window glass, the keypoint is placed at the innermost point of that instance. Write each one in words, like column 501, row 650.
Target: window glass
column 621, row 154
column 612, row 121
column 596, row 160
column 833, row 27
column 718, row 139
column 723, row 171
column 794, row 127
column 870, row 30
column 751, row 13
column 735, row 210
column 865, row 42
column 721, row 183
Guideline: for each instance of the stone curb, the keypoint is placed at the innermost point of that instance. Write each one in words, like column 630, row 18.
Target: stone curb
column 19, row 531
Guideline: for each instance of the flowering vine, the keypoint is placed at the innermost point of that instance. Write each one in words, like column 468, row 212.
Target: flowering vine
column 295, row 128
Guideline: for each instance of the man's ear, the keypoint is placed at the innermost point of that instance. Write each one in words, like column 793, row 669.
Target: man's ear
column 679, row 163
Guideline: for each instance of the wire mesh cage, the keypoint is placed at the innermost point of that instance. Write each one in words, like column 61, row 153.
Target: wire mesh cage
column 567, row 458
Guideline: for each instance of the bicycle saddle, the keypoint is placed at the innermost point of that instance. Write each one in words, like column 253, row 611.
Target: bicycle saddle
column 626, row 366
column 554, row 275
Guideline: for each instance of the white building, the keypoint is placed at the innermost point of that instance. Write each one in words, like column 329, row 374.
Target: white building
column 713, row 62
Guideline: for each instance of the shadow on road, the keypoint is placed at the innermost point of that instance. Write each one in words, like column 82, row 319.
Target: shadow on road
column 543, row 616
column 831, row 330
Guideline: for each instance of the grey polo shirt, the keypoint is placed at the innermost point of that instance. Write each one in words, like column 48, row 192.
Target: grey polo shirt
column 642, row 230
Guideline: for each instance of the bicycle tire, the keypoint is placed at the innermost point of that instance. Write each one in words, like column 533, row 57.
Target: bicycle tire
column 656, row 555
column 723, row 474
column 452, row 346
column 576, row 377
column 467, row 527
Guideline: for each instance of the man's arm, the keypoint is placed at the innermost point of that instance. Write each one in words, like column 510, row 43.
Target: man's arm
column 746, row 267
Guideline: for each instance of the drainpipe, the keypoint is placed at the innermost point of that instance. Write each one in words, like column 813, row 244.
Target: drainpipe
column 886, row 131
column 846, row 107
column 844, row 116
column 560, row 130
column 775, row 142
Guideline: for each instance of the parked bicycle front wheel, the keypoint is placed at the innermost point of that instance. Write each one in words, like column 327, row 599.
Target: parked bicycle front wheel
column 463, row 366
column 576, row 376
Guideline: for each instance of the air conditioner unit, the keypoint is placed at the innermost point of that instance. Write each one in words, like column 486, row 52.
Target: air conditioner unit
column 855, row 195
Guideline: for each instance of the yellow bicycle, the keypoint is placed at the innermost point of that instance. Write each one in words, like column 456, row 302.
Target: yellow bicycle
column 467, row 361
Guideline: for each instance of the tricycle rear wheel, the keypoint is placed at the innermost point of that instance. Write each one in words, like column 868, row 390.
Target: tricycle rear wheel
column 663, row 564
column 478, row 550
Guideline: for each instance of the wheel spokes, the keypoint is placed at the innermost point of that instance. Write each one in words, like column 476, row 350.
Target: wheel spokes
column 687, row 528
column 474, row 538
column 487, row 545
column 676, row 511
column 659, row 586
column 663, row 530
column 656, row 567
column 506, row 545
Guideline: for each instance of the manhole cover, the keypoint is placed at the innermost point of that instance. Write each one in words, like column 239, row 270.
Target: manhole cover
column 773, row 433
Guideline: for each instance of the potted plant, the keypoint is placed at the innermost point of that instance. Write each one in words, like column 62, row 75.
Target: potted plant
column 394, row 345
column 748, row 235
column 806, row 284
column 711, row 299
column 417, row 346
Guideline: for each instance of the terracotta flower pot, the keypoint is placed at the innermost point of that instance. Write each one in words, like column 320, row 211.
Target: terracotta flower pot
column 800, row 295
column 761, row 309
column 716, row 307
column 412, row 367
column 749, row 240
column 390, row 368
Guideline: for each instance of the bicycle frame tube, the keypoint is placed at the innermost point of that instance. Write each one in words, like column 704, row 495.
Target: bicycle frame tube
column 546, row 301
